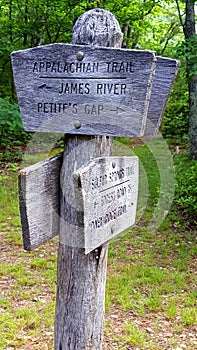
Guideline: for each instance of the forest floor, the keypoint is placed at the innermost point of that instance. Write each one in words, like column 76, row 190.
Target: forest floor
column 151, row 293
column 150, row 321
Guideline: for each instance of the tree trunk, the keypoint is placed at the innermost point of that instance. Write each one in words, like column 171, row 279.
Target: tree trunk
column 193, row 117
column 25, row 35
column 190, row 33
column 11, row 42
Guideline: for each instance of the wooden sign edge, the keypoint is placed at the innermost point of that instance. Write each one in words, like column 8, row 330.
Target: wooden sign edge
column 155, row 128
column 22, row 187
column 80, row 47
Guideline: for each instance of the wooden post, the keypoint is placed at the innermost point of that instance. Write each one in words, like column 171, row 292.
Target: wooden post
column 79, row 319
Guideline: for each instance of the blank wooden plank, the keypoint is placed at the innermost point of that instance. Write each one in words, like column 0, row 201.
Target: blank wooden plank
column 39, row 197
column 166, row 70
column 83, row 89
column 107, row 189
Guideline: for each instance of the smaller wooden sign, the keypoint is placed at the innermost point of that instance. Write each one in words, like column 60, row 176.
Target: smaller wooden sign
column 107, row 189
column 39, row 197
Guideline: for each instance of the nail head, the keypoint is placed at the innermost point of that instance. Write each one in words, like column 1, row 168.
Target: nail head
column 80, row 55
column 77, row 124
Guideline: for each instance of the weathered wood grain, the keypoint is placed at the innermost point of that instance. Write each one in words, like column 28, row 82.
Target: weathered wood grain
column 166, row 70
column 97, row 28
column 84, row 89
column 39, row 201
column 79, row 319
column 107, row 189
column 81, row 278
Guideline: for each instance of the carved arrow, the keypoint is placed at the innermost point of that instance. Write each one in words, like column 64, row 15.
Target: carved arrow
column 44, row 86
column 117, row 110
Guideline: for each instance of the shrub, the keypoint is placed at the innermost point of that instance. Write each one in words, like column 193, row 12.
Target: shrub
column 175, row 122
column 12, row 134
column 186, row 190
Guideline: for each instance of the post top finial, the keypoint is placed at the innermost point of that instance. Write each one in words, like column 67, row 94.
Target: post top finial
column 96, row 27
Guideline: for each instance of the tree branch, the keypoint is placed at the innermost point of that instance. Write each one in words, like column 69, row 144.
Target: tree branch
column 179, row 13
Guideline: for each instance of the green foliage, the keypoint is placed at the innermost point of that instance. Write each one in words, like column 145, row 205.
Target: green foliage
column 10, row 116
column 133, row 335
column 12, row 134
column 186, row 190
column 189, row 316
column 145, row 24
column 30, row 23
column 152, row 25
column 175, row 122
column 9, row 210
column 187, row 50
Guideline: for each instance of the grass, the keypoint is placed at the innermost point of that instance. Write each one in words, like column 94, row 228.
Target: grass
column 151, row 281
column 9, row 212
column 27, row 281
column 28, row 297
column 156, row 274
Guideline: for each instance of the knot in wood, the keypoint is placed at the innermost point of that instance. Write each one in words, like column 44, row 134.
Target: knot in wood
column 96, row 27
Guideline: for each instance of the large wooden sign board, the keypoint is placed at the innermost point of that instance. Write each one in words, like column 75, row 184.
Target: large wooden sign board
column 107, row 189
column 84, row 89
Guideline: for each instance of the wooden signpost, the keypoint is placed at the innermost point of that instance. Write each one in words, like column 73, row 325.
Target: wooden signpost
column 85, row 89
